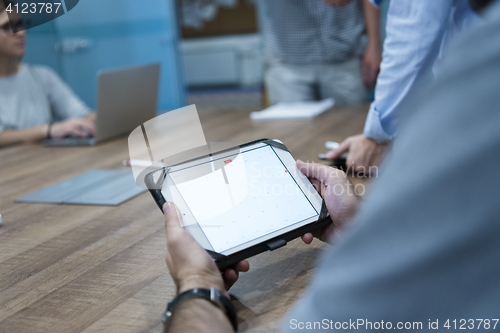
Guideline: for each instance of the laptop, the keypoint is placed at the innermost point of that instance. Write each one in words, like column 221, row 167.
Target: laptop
column 126, row 98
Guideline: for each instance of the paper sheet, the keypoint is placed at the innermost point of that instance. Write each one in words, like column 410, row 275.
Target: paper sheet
column 294, row 110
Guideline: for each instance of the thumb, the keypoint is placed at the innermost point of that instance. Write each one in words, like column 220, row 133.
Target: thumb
column 314, row 170
column 173, row 225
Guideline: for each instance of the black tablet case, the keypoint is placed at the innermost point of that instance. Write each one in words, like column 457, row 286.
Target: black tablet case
column 224, row 261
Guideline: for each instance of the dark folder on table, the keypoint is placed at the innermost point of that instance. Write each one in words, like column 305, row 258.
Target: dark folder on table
column 95, row 187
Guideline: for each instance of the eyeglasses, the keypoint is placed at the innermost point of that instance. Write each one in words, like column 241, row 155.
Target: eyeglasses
column 11, row 28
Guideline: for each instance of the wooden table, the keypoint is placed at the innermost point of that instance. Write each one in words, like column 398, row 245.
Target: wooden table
column 68, row 268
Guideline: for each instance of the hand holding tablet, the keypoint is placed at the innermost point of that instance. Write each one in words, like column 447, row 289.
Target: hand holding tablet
column 338, row 193
column 238, row 203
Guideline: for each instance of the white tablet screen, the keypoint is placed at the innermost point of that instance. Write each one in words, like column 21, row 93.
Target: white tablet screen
column 253, row 195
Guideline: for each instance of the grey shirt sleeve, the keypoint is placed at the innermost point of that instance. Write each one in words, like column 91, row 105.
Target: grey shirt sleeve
column 63, row 101
column 425, row 245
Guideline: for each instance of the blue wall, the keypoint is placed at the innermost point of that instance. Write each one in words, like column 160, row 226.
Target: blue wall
column 40, row 44
column 128, row 34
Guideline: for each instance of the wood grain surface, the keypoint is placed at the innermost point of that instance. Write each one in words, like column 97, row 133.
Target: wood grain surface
column 70, row 268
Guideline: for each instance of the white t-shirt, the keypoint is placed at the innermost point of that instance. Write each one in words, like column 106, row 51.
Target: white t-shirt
column 36, row 96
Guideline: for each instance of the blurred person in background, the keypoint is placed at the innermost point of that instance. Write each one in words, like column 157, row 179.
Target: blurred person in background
column 35, row 103
column 320, row 49
column 417, row 33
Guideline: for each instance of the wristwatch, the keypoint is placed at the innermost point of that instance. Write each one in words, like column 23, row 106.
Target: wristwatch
column 213, row 295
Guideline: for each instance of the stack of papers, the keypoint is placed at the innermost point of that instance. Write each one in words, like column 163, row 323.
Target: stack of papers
column 294, row 110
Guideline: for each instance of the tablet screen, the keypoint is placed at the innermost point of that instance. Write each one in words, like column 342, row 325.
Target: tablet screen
column 253, row 195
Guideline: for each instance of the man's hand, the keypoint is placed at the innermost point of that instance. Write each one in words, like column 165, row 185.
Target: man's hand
column 363, row 152
column 79, row 127
column 371, row 65
column 337, row 3
column 338, row 192
column 189, row 264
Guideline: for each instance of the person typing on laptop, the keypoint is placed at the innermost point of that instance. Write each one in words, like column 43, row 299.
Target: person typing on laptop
column 36, row 103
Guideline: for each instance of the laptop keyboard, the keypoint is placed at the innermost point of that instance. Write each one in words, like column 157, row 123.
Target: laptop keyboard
column 72, row 141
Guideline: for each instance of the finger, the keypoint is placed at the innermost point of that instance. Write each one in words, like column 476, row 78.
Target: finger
column 242, row 266
column 173, row 225
column 90, row 130
column 87, row 125
column 318, row 171
column 307, row 238
column 315, row 183
column 85, row 132
column 78, row 131
column 341, row 150
column 90, row 126
column 230, row 276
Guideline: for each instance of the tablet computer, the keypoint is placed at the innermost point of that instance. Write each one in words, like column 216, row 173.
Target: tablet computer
column 241, row 201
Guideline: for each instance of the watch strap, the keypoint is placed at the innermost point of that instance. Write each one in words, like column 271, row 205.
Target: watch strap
column 213, row 295
column 49, row 127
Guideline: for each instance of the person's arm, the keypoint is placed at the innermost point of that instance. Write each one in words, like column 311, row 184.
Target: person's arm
column 198, row 316
column 78, row 127
column 191, row 267
column 414, row 33
column 372, row 56
column 64, row 102
column 17, row 136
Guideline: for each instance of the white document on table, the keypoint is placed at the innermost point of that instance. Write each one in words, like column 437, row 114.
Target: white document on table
column 294, row 110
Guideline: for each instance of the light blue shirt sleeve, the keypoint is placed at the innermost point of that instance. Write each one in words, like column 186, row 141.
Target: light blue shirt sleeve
column 414, row 33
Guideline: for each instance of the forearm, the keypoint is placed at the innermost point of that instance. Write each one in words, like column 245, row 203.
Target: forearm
column 198, row 316
column 372, row 21
column 17, row 136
